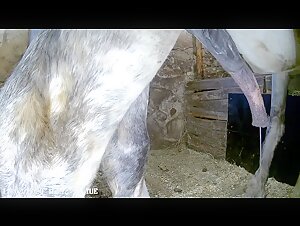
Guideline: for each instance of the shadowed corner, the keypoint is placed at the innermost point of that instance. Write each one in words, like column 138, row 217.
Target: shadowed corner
column 296, row 192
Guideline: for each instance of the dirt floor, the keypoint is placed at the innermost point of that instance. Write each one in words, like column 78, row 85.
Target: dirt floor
column 176, row 173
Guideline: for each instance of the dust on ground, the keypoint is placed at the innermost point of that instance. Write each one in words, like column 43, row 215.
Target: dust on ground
column 182, row 172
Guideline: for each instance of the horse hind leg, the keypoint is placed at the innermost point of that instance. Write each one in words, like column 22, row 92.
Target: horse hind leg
column 256, row 187
column 123, row 163
column 124, row 170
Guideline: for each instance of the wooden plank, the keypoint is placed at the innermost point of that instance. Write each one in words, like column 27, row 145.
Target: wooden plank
column 217, row 125
column 210, row 105
column 209, row 136
column 208, row 95
column 210, row 84
column 198, row 145
column 213, row 94
column 203, row 113
column 199, row 57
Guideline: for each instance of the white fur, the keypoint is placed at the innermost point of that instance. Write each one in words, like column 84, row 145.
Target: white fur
column 267, row 51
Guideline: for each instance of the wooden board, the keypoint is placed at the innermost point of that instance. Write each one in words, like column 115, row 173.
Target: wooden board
column 200, row 123
column 222, row 83
column 207, row 112
column 212, row 94
column 213, row 138
column 210, row 105
column 199, row 144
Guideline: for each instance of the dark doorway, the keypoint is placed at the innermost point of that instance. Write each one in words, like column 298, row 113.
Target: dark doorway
column 243, row 138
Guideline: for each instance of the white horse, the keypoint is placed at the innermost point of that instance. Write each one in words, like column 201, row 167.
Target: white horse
column 73, row 99
column 269, row 52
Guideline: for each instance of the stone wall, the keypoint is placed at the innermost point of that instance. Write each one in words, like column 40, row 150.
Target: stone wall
column 167, row 107
column 211, row 67
column 166, row 110
column 13, row 43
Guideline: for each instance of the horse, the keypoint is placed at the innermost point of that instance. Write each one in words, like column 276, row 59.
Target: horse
column 269, row 52
column 78, row 99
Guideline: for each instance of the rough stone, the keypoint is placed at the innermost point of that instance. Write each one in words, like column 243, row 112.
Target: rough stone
column 13, row 44
column 167, row 94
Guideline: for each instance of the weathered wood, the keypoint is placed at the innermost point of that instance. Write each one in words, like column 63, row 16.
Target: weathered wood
column 219, row 94
column 203, row 113
column 208, row 136
column 210, row 105
column 200, row 123
column 197, row 144
column 199, row 58
column 207, row 95
column 207, row 112
column 221, row 83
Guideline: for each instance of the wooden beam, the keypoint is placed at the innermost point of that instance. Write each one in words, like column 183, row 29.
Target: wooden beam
column 199, row 57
